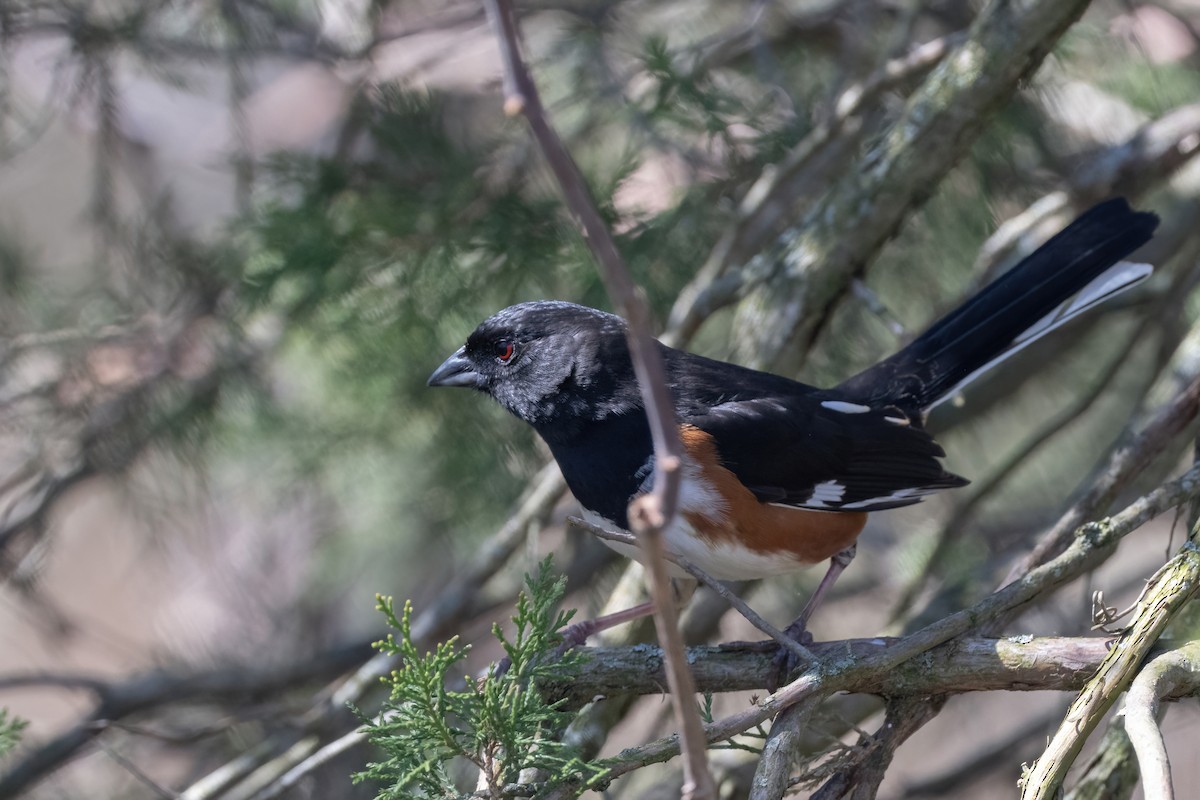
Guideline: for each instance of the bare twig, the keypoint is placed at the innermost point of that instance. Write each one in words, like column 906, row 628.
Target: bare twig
column 1092, row 544
column 771, row 198
column 1154, row 152
column 1158, row 149
column 1127, row 462
column 118, row 700
column 136, row 771
column 649, row 514
column 1170, row 675
column 320, row 757
column 861, row 780
column 1175, row 584
column 230, row 773
column 816, row 260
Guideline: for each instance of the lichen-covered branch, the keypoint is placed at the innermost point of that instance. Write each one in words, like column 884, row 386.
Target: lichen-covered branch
column 1092, row 544
column 779, row 755
column 773, row 195
column 1175, row 584
column 1172, row 674
column 1112, row 772
column 814, row 262
column 972, row 664
column 1127, row 462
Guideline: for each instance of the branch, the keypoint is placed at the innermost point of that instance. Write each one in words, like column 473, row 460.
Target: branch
column 815, row 262
column 155, row 690
column 1172, row 674
column 861, row 780
column 1092, row 544
column 781, row 751
column 649, row 514
column 1112, row 772
column 322, row 756
column 968, row 664
column 1175, row 584
column 1158, row 149
column 1125, row 464
column 772, row 197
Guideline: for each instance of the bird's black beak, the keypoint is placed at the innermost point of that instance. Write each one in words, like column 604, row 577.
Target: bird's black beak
column 455, row 371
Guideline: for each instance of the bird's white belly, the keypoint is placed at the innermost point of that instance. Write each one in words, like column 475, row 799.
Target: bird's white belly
column 723, row 560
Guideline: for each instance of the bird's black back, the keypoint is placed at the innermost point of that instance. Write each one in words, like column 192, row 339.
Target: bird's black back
column 857, row 447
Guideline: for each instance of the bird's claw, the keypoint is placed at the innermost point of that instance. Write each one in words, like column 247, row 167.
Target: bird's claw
column 786, row 660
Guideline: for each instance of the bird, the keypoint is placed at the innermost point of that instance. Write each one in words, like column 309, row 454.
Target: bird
column 777, row 475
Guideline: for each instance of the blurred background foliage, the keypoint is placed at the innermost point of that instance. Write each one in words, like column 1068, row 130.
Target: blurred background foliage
column 229, row 323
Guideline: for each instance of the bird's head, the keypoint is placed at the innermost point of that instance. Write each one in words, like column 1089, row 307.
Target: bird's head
column 552, row 364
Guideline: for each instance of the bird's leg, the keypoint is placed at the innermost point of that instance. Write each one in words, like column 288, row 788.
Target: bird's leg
column 577, row 634
column 785, row 660
column 580, row 632
column 798, row 630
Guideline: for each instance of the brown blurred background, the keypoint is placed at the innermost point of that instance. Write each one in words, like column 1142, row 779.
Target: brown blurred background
column 235, row 238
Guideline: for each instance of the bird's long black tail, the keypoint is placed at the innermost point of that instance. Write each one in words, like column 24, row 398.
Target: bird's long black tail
column 1074, row 271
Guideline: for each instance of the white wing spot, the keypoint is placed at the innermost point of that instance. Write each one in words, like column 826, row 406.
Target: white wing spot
column 825, row 493
column 897, row 420
column 899, row 494
column 844, row 407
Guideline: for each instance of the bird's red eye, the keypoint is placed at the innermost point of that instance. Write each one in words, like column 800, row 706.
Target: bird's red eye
column 505, row 350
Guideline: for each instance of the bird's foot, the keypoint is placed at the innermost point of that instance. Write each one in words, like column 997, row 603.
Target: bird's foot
column 575, row 635
column 741, row 646
column 787, row 660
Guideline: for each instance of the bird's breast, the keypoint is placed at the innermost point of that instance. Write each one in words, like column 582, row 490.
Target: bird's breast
column 723, row 529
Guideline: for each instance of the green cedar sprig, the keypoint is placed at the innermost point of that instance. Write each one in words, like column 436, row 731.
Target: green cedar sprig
column 500, row 725
column 10, row 731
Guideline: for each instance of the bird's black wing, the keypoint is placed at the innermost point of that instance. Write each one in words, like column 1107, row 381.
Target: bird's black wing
column 796, row 445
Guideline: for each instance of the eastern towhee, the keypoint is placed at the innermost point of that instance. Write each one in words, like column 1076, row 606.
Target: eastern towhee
column 778, row 475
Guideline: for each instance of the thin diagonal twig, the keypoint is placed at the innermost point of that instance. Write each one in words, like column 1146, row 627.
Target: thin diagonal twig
column 649, row 514
column 1176, row 584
